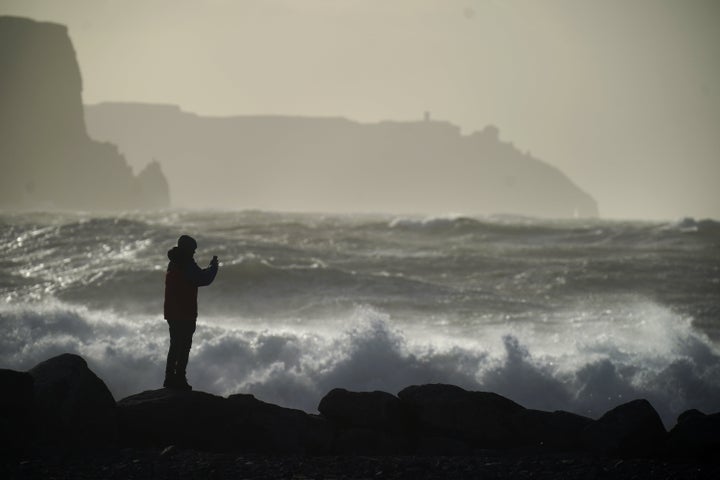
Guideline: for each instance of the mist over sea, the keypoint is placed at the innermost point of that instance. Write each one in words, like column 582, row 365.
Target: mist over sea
column 580, row 315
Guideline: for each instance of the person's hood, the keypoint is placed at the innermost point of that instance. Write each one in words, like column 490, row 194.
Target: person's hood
column 175, row 254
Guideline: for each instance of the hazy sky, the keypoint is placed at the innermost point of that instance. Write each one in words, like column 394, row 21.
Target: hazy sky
column 622, row 95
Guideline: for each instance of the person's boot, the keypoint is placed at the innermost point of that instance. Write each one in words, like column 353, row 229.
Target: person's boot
column 182, row 384
column 176, row 381
column 169, row 380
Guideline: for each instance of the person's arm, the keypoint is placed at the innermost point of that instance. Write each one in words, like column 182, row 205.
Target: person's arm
column 202, row 276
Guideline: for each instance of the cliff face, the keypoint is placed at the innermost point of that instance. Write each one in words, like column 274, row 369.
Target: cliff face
column 336, row 165
column 46, row 156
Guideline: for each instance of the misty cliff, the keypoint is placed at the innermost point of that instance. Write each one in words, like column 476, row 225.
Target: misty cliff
column 47, row 158
column 336, row 165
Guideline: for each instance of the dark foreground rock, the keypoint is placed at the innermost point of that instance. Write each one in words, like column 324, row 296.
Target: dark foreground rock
column 447, row 414
column 60, row 404
column 553, row 431
column 629, row 430
column 371, row 410
column 481, row 419
column 72, row 405
column 368, row 423
column 696, row 435
column 16, row 409
column 263, row 427
column 166, row 417
column 210, row 422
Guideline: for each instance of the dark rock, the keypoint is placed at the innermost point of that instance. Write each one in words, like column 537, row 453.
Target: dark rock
column 208, row 422
column 263, row 427
column 689, row 415
column 374, row 410
column 367, row 423
column 173, row 417
column 557, row 430
column 696, row 435
column 629, row 430
column 74, row 406
column 481, row 419
column 16, row 404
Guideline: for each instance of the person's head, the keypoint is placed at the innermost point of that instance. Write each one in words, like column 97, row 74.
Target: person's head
column 187, row 244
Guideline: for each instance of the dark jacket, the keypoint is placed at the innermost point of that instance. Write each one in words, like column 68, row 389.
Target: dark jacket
column 182, row 280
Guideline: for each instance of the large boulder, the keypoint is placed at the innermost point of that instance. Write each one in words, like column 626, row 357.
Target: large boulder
column 209, row 422
column 629, row 430
column 73, row 405
column 172, row 417
column 696, row 435
column 16, row 406
column 372, row 410
column 264, row 427
column 556, row 430
column 481, row 419
column 367, row 423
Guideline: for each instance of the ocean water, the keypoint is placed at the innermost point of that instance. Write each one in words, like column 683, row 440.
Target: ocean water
column 579, row 315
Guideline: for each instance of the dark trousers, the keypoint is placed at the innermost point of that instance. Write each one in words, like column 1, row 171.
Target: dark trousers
column 181, row 332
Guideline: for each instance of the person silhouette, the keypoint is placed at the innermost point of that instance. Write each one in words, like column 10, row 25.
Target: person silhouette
column 182, row 280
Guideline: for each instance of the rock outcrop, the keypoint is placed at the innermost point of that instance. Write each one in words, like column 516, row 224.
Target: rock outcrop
column 337, row 165
column 201, row 420
column 16, row 410
column 629, row 430
column 368, row 423
column 60, row 402
column 480, row 419
column 72, row 405
column 47, row 159
column 696, row 435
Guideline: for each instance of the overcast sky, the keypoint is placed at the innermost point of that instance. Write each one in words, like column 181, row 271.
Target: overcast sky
column 622, row 95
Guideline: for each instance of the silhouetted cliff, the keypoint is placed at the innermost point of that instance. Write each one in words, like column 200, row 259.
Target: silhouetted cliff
column 46, row 156
column 333, row 164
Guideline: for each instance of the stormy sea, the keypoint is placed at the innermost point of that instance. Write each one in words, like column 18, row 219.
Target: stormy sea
column 579, row 315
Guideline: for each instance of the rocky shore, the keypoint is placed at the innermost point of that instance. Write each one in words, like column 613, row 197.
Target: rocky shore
column 59, row 420
column 176, row 463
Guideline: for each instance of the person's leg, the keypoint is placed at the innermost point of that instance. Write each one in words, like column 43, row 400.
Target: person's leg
column 173, row 353
column 185, row 343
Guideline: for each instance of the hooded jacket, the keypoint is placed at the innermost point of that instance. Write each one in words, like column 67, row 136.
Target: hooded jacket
column 182, row 280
